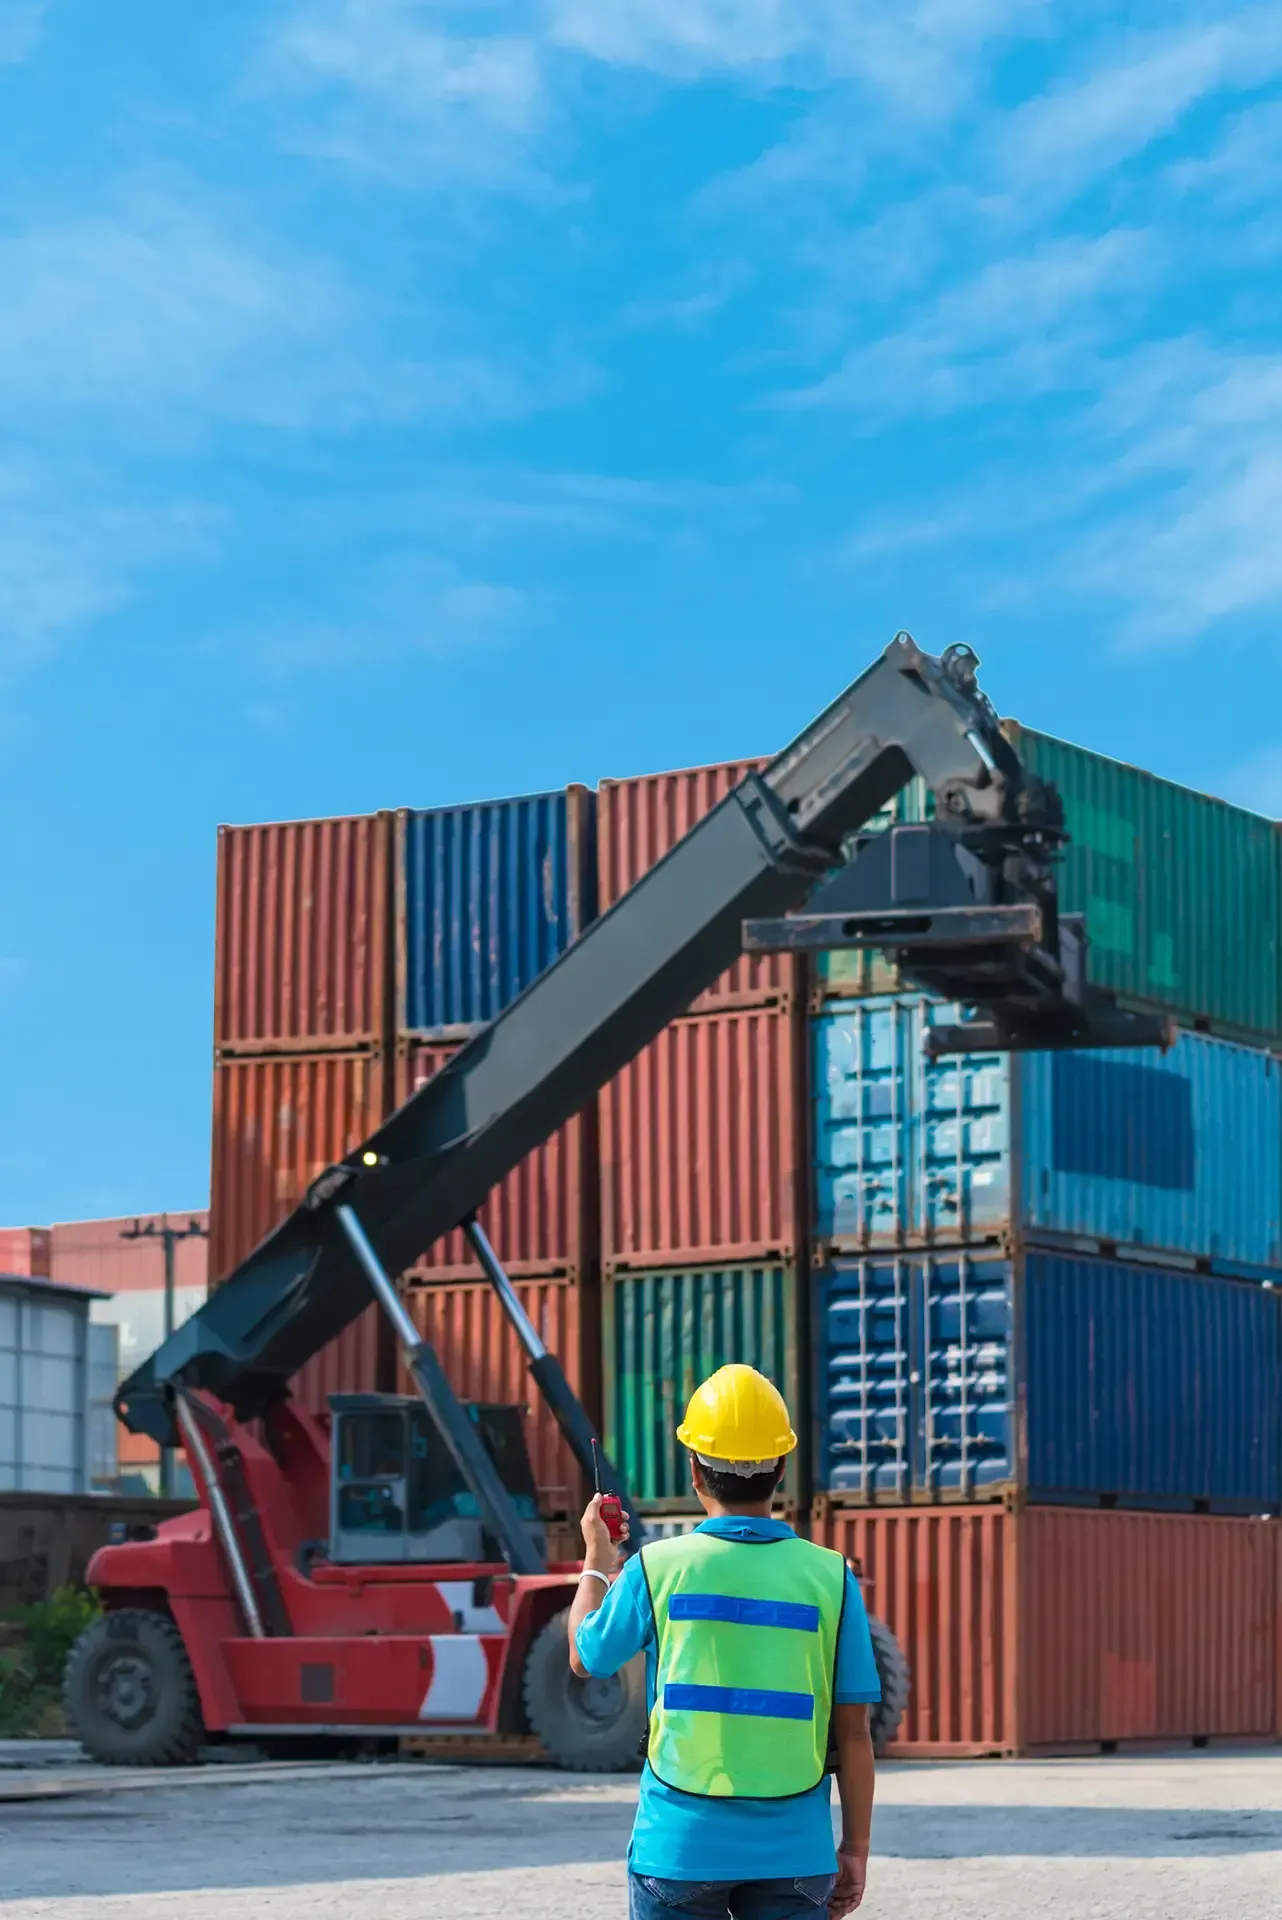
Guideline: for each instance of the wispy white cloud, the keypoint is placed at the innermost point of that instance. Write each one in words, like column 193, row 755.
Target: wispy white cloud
column 1243, row 162
column 1054, row 145
column 167, row 313
column 416, row 89
column 20, row 26
column 910, row 52
column 503, row 503
column 72, row 550
column 403, row 607
column 1022, row 326
column 1195, row 554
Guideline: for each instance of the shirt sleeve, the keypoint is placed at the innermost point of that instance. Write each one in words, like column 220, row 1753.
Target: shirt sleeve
column 621, row 1627
column 857, row 1681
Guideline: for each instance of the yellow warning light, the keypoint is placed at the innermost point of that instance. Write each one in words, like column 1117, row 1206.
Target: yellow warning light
column 370, row 1159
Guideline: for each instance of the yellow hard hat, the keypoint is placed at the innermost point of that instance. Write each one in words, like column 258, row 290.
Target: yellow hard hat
column 737, row 1414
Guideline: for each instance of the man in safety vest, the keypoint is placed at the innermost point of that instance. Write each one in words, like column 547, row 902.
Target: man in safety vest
column 758, row 1661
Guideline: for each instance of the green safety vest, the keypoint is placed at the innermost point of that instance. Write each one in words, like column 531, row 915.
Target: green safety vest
column 747, row 1652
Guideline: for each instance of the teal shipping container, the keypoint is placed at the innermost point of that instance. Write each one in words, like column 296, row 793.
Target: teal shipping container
column 664, row 1332
column 1177, row 1154
column 1182, row 893
column 1167, row 879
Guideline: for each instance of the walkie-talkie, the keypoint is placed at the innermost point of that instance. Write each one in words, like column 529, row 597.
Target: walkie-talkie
column 611, row 1508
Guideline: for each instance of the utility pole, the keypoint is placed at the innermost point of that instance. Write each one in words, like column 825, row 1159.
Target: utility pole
column 170, row 1236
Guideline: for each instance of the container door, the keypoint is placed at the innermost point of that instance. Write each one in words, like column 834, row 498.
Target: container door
column 961, row 1176
column 864, row 1392
column 862, row 1050
column 963, row 1373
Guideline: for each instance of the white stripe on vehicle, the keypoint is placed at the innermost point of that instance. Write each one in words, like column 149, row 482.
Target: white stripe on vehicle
column 460, row 1676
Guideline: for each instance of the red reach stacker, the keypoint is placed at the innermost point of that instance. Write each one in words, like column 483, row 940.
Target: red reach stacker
column 385, row 1572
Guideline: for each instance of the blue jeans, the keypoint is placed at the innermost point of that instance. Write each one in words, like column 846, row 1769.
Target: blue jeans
column 650, row 1899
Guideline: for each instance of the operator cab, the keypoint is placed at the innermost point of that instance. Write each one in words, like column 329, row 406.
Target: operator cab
column 396, row 1494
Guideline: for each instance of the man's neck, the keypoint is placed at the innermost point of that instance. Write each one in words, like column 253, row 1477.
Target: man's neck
column 715, row 1511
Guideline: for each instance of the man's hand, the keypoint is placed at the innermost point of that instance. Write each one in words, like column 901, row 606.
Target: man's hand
column 600, row 1552
column 601, row 1555
column 852, row 1875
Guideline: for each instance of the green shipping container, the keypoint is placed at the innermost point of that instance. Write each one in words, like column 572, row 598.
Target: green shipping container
column 663, row 1333
column 1182, row 894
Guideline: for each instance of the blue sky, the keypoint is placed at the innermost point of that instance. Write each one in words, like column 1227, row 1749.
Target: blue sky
column 406, row 401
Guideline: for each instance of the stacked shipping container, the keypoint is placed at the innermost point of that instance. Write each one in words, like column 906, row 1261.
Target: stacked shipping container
column 1002, row 1295
column 302, row 999
column 354, row 958
column 702, row 1172
column 1048, row 1283
column 486, row 898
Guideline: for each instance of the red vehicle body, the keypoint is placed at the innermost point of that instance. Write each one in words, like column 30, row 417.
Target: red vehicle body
column 372, row 1649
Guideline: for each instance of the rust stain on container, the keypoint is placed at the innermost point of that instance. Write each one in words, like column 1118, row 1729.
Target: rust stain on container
column 640, row 820
column 542, row 1218
column 280, row 1121
column 1062, row 1630
column 302, row 944
column 700, row 1149
column 485, row 1361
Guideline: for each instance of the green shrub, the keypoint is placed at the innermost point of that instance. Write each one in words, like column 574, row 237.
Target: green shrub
column 32, row 1659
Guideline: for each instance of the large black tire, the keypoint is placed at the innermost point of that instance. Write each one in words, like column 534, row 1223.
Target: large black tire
column 587, row 1726
column 130, row 1695
column 896, row 1684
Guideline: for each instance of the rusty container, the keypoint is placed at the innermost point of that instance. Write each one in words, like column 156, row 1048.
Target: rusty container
column 540, row 1220
column 701, row 1151
column 640, row 820
column 279, row 1121
column 303, row 936
column 1065, row 1630
column 484, row 1361
column 26, row 1251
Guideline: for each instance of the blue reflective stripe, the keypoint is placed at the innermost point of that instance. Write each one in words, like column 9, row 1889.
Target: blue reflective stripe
column 760, row 1702
column 748, row 1613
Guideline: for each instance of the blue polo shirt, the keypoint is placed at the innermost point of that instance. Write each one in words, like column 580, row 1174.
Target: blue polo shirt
column 680, row 1836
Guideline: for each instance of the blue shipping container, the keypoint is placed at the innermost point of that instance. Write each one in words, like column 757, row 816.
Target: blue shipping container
column 1057, row 1376
column 487, row 897
column 1178, row 1154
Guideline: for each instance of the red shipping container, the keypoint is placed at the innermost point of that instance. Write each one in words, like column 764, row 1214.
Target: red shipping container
column 1063, row 1630
column 25, row 1251
column 542, row 1218
column 701, row 1157
column 280, row 1121
column 640, row 820
column 303, row 936
column 485, row 1361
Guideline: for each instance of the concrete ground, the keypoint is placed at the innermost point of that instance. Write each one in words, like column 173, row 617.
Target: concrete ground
column 1192, row 1837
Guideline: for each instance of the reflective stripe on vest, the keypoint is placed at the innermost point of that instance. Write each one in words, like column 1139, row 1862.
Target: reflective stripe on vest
column 747, row 1649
